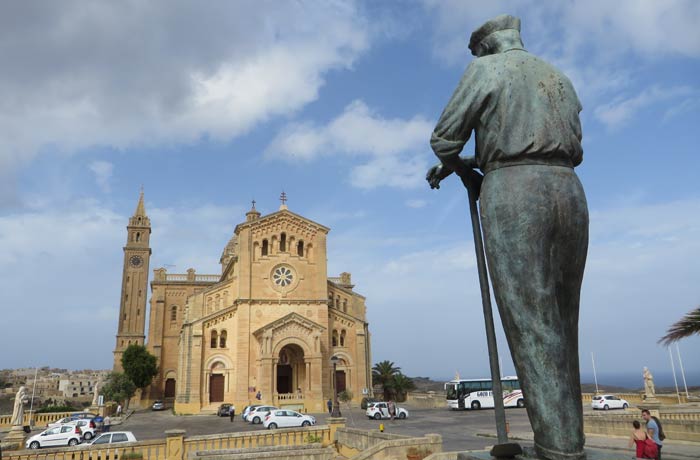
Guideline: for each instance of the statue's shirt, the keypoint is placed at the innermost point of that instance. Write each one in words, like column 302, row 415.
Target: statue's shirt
column 523, row 110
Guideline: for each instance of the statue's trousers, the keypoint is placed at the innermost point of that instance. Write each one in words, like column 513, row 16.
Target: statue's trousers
column 535, row 225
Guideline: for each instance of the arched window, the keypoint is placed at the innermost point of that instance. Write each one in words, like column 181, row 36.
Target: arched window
column 173, row 313
column 222, row 339
column 334, row 339
column 264, row 247
column 214, row 337
column 139, row 221
column 138, row 236
column 283, row 242
column 330, row 299
column 342, row 338
column 337, row 302
column 300, row 248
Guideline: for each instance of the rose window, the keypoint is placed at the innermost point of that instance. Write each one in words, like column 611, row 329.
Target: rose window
column 282, row 276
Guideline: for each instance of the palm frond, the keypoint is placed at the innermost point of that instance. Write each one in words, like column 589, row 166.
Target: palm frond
column 687, row 326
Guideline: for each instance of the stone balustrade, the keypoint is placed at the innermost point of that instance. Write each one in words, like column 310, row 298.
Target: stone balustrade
column 40, row 419
column 179, row 447
column 677, row 426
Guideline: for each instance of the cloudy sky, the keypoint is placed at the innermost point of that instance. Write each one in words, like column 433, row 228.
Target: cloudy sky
column 209, row 106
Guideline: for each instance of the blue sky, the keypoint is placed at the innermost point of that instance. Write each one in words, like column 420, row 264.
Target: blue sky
column 332, row 102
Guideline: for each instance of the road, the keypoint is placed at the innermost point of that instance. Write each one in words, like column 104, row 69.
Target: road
column 459, row 429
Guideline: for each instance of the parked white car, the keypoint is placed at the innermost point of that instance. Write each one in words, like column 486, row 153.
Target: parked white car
column 87, row 426
column 287, row 418
column 606, row 402
column 72, row 418
column 380, row 410
column 64, row 435
column 257, row 415
column 114, row 437
column 247, row 409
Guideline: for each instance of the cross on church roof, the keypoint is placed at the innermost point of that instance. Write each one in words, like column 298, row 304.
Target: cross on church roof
column 253, row 204
column 283, row 198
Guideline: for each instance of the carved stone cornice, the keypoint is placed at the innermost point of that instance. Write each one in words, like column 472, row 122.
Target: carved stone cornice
column 283, row 220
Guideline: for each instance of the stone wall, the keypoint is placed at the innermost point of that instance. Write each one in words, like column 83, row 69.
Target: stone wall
column 427, row 400
column 351, row 441
column 677, row 426
column 399, row 448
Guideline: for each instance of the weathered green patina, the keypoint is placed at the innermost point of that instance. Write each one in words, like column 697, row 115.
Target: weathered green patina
column 525, row 115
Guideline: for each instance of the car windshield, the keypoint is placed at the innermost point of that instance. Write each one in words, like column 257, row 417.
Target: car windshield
column 597, row 398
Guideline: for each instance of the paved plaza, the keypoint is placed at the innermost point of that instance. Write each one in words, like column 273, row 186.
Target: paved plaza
column 460, row 430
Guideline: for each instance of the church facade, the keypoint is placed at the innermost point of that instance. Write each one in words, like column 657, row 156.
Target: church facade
column 264, row 329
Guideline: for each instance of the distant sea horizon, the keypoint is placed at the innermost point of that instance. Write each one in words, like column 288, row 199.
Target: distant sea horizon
column 630, row 380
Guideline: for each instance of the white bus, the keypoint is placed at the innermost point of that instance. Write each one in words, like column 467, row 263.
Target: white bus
column 477, row 393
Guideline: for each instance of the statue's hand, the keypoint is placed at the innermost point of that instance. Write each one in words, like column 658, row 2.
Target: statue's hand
column 436, row 174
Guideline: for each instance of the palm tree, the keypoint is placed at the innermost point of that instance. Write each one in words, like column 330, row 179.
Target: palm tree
column 383, row 374
column 402, row 385
column 689, row 325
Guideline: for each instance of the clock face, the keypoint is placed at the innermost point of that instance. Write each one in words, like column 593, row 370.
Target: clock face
column 136, row 261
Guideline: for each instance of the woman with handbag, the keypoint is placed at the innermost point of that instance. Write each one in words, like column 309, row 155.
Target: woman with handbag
column 645, row 446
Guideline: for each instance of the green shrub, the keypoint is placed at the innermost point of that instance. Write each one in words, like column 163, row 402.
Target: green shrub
column 312, row 439
column 52, row 409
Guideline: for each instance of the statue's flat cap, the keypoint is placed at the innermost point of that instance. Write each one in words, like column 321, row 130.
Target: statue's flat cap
column 502, row 22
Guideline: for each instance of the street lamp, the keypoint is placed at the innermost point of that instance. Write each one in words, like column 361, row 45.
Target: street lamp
column 336, row 409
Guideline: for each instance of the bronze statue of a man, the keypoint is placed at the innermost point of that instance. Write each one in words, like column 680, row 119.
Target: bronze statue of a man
column 525, row 115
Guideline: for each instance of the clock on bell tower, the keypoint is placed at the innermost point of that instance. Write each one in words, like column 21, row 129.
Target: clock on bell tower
column 132, row 303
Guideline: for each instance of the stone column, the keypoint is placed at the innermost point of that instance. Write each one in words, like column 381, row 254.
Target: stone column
column 174, row 444
column 308, row 376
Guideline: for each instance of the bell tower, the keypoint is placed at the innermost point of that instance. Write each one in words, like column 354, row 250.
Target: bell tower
column 132, row 304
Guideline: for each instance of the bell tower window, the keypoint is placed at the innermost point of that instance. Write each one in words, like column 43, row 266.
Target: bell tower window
column 265, row 247
column 300, row 248
column 283, row 242
column 214, row 337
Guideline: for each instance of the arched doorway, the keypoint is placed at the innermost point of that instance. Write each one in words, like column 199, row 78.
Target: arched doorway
column 216, row 383
column 291, row 370
column 169, row 388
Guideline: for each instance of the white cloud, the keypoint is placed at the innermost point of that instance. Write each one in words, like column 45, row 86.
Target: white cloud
column 416, row 204
column 602, row 46
column 650, row 28
column 61, row 268
column 132, row 73
column 103, row 174
column 619, row 111
column 391, row 145
column 641, row 275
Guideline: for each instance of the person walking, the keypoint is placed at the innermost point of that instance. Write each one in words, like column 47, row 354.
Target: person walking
column 258, row 395
column 106, row 424
column 330, row 406
column 644, row 446
column 119, row 410
column 392, row 409
column 653, row 430
column 232, row 412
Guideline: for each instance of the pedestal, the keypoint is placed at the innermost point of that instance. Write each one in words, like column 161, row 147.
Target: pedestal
column 650, row 403
column 14, row 439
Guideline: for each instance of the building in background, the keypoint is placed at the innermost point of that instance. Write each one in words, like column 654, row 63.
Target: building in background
column 267, row 325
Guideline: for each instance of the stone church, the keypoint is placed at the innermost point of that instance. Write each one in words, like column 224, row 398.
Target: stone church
column 266, row 326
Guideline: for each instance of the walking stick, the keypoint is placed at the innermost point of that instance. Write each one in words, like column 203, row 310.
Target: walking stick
column 472, row 182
